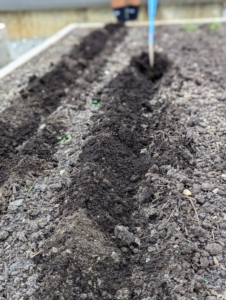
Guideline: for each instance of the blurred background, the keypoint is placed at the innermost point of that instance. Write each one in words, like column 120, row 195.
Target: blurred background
column 29, row 18
column 29, row 22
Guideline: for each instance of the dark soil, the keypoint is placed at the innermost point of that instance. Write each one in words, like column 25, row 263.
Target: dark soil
column 133, row 205
column 43, row 95
column 161, row 65
column 109, row 173
column 94, row 43
column 113, row 156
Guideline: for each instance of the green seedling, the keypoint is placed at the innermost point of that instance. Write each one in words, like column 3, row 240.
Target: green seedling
column 28, row 187
column 205, row 280
column 213, row 27
column 64, row 138
column 177, row 251
column 95, row 102
column 190, row 27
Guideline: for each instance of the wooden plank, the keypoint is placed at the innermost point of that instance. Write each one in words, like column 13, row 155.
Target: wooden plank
column 43, row 23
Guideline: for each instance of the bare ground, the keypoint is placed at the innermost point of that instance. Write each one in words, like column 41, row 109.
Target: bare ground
column 118, row 189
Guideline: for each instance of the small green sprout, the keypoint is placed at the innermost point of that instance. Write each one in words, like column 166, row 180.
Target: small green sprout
column 95, row 102
column 177, row 251
column 205, row 280
column 64, row 138
column 213, row 27
column 28, row 187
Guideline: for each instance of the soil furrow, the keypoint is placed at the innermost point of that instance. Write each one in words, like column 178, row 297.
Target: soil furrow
column 43, row 95
column 130, row 179
column 133, row 207
column 110, row 169
column 38, row 190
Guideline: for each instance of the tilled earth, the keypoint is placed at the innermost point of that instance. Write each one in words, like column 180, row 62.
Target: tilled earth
column 113, row 175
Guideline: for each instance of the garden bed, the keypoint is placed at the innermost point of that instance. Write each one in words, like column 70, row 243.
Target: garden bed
column 112, row 182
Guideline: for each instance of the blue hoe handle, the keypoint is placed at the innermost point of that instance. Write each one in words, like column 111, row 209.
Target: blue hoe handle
column 152, row 7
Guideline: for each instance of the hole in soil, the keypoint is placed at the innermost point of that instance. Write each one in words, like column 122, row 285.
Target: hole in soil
column 160, row 67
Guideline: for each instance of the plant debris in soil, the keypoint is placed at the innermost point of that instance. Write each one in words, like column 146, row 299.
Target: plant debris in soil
column 140, row 212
